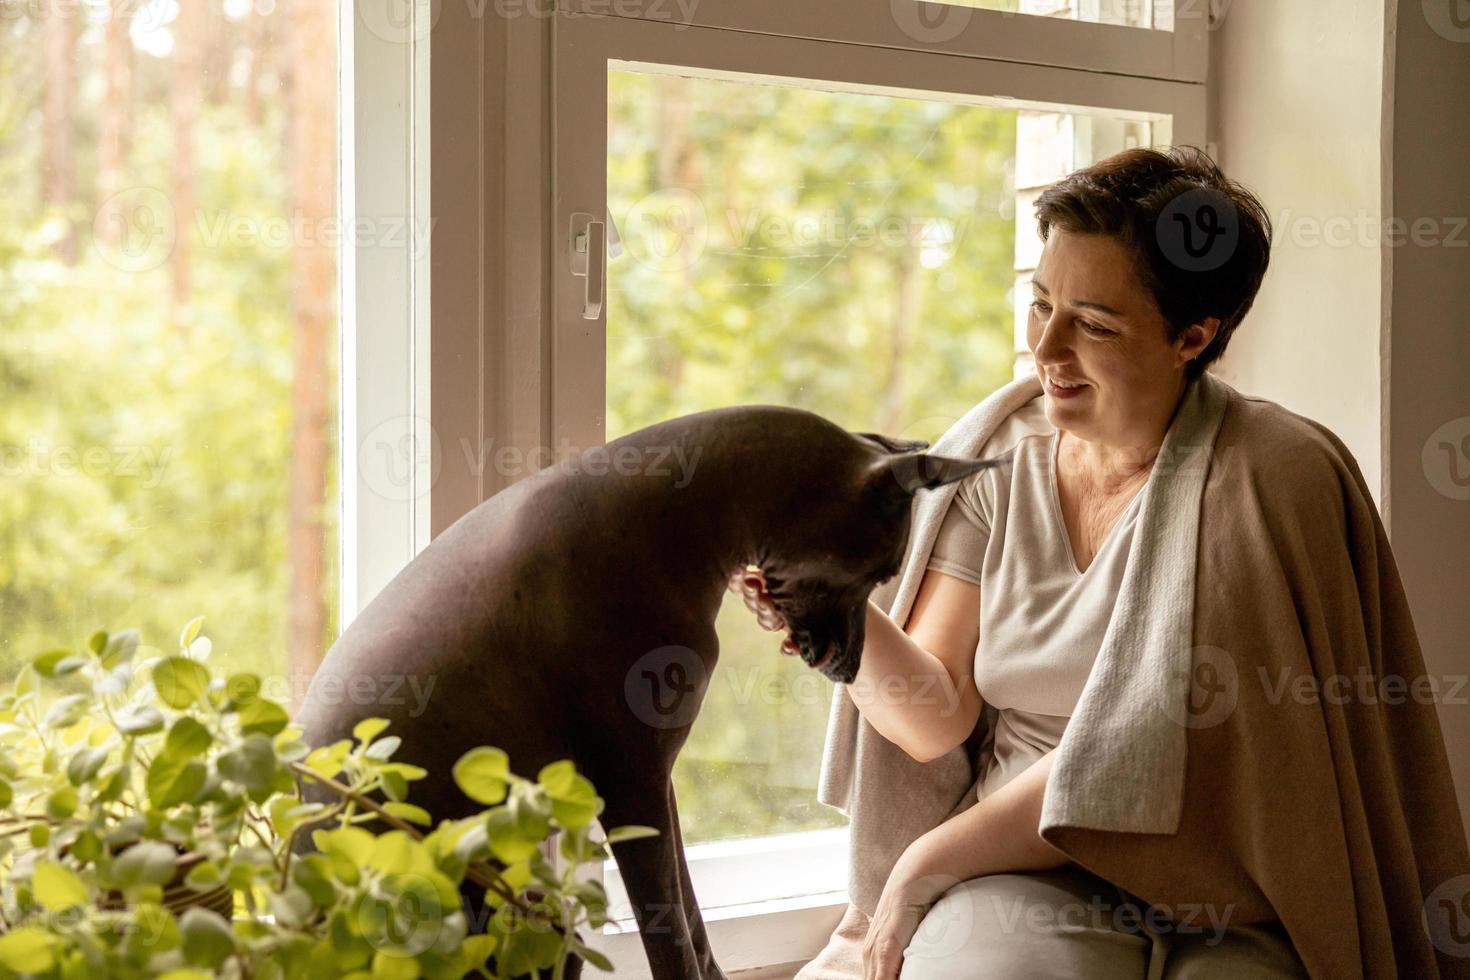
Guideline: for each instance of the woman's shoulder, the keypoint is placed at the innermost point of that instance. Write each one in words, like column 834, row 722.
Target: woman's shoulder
column 1269, row 438
column 1028, row 420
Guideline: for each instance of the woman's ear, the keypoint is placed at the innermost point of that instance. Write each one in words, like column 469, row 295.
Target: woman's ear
column 1197, row 338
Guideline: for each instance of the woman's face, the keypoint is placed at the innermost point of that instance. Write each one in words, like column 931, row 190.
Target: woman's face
column 1092, row 322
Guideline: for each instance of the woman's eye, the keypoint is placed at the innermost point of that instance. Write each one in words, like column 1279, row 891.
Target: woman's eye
column 1093, row 328
column 1039, row 306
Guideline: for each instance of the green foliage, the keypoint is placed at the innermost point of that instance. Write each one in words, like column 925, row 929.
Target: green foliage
column 147, row 773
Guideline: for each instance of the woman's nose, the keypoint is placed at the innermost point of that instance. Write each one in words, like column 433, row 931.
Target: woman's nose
column 1049, row 342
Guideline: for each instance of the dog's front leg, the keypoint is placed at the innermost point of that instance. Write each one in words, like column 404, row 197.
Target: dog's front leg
column 655, row 876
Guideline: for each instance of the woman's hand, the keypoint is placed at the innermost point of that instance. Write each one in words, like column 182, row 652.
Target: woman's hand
column 902, row 906
column 750, row 584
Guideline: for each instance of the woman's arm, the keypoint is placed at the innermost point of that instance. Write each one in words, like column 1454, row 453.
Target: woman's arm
column 917, row 688
column 916, row 685
column 998, row 834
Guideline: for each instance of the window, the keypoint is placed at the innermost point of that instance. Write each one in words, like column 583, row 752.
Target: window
column 169, row 347
column 817, row 210
column 180, row 246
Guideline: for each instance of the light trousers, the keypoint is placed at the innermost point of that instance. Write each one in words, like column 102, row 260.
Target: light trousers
column 1068, row 922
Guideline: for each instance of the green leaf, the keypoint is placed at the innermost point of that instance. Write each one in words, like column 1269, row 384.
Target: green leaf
column 630, row 832
column 368, row 729
column 85, row 764
column 482, row 774
column 208, row 939
column 395, row 787
column 28, row 950
column 574, row 801
column 148, row 862
column 27, row 681
column 202, row 877
column 261, row 715
column 118, row 649
column 180, row 681
column 386, row 966
column 506, row 839
column 240, row 690
column 67, row 711
column 6, row 794
column 190, row 631
column 143, row 721
column 352, row 843
column 58, row 663
column 384, row 748
column 62, row 802
column 187, row 737
column 173, row 779
column 592, row 956
column 252, row 764
column 88, row 845
column 328, row 759
column 58, row 887
column 409, row 812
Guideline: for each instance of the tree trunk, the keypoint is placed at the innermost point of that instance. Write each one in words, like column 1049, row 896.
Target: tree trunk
column 312, row 180
column 187, row 92
column 114, row 128
column 58, row 165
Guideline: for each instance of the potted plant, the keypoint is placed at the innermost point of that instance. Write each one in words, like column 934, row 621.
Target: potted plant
column 149, row 808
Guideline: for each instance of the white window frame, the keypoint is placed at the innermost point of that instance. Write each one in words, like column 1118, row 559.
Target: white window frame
column 383, row 166
column 520, row 95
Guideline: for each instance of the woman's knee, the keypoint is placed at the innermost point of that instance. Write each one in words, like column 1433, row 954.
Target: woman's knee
column 1018, row 926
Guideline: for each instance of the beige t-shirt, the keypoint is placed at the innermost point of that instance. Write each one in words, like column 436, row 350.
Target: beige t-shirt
column 1041, row 620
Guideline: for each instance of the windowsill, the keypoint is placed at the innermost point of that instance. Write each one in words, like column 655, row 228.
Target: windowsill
column 769, row 903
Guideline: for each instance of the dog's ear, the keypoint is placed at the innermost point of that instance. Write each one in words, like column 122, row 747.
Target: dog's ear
column 889, row 444
column 909, row 473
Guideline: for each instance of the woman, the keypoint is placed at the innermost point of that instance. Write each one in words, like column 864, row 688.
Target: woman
column 1130, row 305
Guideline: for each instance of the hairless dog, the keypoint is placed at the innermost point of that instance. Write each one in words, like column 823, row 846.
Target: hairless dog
column 572, row 616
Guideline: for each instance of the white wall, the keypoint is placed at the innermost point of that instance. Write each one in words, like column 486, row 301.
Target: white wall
column 1295, row 114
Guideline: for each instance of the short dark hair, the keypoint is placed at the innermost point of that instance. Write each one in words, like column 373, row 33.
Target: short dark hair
column 1146, row 199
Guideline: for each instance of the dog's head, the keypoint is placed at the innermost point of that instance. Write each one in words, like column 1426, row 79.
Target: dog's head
column 822, row 574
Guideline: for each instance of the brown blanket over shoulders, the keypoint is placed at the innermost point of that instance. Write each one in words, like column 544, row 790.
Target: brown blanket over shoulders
column 1258, row 733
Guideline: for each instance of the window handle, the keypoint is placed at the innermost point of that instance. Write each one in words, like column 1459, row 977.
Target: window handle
column 589, row 260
